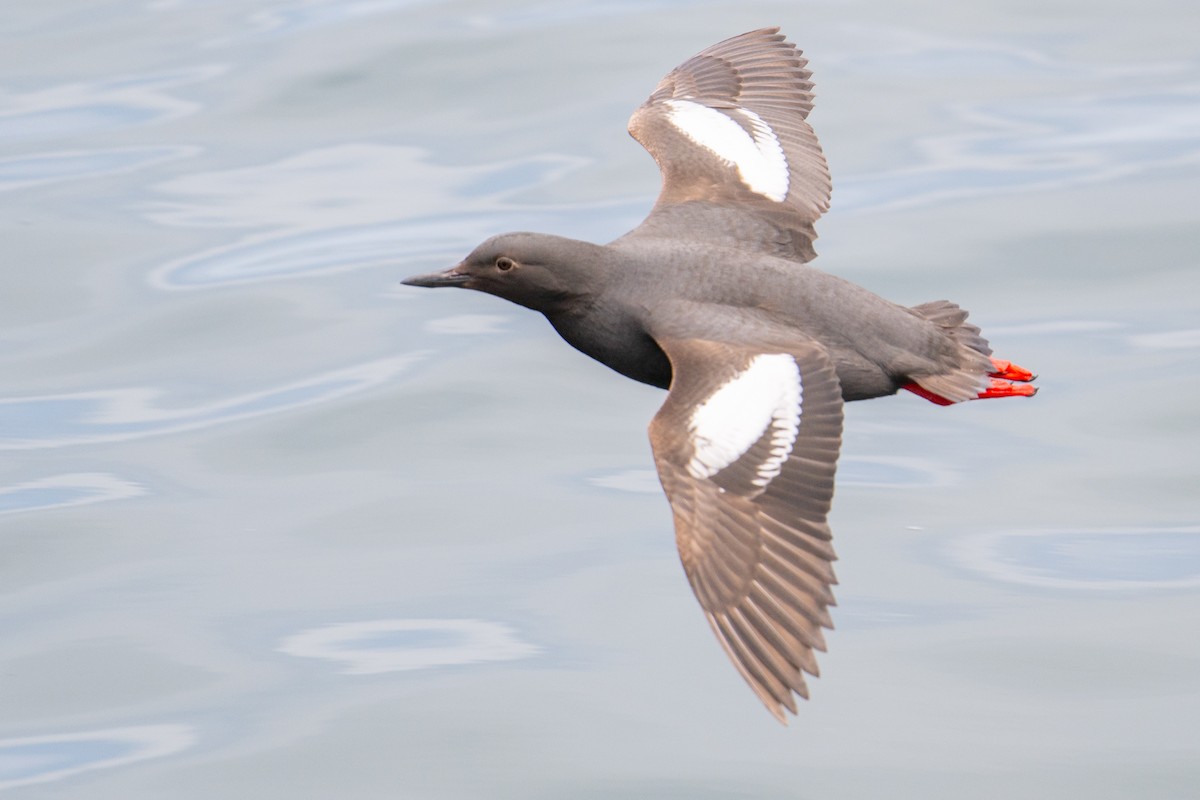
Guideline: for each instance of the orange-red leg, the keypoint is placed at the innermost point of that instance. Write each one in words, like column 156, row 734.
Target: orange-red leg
column 1010, row 371
column 1007, row 380
column 1002, row 388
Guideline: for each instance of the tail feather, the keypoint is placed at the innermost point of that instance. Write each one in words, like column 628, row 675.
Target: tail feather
column 969, row 377
column 954, row 319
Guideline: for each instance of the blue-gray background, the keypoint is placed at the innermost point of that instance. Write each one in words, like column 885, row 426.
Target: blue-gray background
column 273, row 526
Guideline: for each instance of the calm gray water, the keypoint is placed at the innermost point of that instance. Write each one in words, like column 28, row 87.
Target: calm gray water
column 273, row 526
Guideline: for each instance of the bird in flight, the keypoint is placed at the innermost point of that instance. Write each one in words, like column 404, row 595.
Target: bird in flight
column 712, row 298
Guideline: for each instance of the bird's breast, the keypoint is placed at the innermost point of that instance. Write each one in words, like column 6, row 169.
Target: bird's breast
column 617, row 341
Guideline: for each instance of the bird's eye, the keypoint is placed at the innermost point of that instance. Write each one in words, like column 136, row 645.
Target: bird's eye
column 504, row 263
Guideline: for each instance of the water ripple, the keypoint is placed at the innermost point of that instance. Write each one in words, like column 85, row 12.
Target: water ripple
column 1051, row 143
column 1187, row 339
column 892, row 472
column 39, row 168
column 100, row 105
column 119, row 414
column 287, row 18
column 319, row 252
column 466, row 324
column 41, row 759
column 1087, row 559
column 391, row 645
column 355, row 183
column 1068, row 327
column 344, row 208
column 65, row 491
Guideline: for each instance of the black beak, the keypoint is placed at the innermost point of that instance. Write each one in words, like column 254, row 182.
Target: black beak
column 451, row 277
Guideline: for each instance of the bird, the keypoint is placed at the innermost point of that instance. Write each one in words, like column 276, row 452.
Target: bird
column 712, row 298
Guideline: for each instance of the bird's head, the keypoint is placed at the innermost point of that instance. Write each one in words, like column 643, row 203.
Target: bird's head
column 534, row 270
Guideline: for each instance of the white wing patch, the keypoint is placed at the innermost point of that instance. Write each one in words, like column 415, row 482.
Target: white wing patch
column 765, row 395
column 760, row 161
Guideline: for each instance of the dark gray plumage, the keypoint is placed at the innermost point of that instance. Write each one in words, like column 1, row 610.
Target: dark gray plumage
column 710, row 298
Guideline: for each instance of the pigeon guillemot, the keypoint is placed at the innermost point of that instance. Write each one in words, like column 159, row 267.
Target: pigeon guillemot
column 711, row 298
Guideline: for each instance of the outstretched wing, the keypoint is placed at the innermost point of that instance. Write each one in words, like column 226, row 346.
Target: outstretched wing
column 746, row 446
column 740, row 164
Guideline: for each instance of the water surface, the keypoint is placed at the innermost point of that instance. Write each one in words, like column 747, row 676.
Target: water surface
column 272, row 525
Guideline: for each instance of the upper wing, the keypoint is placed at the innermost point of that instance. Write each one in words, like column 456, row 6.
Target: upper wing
column 746, row 446
column 740, row 164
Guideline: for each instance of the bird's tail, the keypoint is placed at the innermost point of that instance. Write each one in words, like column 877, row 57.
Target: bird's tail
column 977, row 375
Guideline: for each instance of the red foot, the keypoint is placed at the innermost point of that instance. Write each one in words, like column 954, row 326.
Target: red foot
column 1003, row 388
column 1009, row 370
column 997, row 387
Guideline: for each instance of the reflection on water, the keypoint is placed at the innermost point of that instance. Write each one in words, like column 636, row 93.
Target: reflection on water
column 119, row 414
column 1053, row 327
column 344, row 208
column 464, row 324
column 40, row 759
column 1040, row 145
column 1168, row 340
column 39, row 168
column 320, row 252
column 864, row 613
column 94, row 107
column 348, row 184
column 391, row 645
column 102, row 105
column 897, row 472
column 629, row 480
column 1111, row 560
column 64, row 491
column 920, row 51
column 292, row 17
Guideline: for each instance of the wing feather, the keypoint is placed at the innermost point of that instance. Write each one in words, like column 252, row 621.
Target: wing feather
column 754, row 541
column 759, row 82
